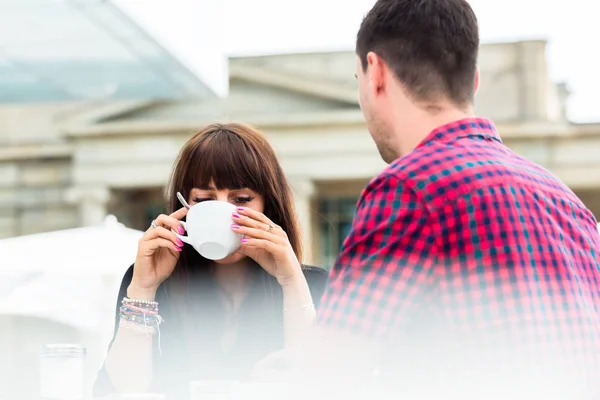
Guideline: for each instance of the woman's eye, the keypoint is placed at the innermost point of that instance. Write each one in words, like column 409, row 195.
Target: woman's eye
column 200, row 200
column 243, row 199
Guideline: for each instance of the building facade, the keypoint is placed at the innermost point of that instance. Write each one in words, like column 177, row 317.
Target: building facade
column 69, row 164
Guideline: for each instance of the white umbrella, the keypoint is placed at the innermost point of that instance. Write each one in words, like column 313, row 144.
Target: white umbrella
column 104, row 249
column 69, row 276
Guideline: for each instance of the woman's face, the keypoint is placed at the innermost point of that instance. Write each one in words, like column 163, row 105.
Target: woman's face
column 237, row 197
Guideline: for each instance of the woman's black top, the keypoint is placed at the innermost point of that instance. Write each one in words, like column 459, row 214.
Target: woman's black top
column 190, row 347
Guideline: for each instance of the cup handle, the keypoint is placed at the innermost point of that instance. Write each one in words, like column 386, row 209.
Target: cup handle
column 184, row 239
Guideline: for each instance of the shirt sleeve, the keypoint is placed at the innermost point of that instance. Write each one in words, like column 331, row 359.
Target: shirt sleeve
column 385, row 265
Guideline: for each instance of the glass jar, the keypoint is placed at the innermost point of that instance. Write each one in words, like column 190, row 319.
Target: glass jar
column 62, row 372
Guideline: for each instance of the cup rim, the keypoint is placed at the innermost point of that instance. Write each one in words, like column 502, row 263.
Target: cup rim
column 202, row 204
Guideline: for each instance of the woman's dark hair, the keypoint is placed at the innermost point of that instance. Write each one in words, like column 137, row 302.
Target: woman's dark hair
column 227, row 156
column 236, row 156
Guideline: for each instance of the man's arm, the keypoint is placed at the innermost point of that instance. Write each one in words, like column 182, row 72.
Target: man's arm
column 380, row 279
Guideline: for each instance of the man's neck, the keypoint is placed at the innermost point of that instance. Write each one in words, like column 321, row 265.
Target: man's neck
column 414, row 129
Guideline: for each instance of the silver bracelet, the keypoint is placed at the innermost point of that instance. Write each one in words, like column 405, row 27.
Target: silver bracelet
column 306, row 307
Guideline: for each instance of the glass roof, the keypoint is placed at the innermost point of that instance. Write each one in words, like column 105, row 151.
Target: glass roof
column 84, row 49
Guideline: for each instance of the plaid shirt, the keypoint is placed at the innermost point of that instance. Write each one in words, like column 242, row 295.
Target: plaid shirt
column 464, row 243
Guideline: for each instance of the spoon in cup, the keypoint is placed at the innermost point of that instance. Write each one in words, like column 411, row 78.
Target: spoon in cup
column 182, row 201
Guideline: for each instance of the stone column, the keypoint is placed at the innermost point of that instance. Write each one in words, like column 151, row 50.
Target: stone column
column 304, row 189
column 534, row 83
column 92, row 203
column 9, row 204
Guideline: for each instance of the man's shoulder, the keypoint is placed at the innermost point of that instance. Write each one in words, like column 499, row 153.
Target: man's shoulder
column 447, row 170
column 432, row 162
column 417, row 170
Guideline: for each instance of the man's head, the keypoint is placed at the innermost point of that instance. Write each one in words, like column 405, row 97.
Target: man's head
column 417, row 61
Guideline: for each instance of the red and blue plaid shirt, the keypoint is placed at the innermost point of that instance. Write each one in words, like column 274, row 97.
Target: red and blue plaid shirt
column 464, row 244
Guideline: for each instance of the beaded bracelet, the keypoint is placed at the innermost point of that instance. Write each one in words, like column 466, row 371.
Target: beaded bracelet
column 126, row 310
column 141, row 319
column 139, row 310
column 147, row 303
column 140, row 316
column 143, row 304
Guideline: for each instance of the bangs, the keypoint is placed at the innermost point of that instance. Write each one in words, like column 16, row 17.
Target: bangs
column 222, row 158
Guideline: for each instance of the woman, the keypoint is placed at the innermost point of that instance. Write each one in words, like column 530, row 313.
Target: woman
column 220, row 317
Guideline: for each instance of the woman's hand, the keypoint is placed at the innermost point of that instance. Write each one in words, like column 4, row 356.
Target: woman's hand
column 158, row 252
column 267, row 244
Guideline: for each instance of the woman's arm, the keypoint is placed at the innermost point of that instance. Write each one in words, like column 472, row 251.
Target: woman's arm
column 128, row 366
column 129, row 361
column 298, row 309
column 299, row 295
column 268, row 245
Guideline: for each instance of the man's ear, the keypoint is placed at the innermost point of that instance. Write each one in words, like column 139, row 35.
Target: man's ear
column 376, row 68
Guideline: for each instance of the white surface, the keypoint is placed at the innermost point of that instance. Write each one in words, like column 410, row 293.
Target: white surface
column 68, row 276
column 209, row 229
column 75, row 300
column 200, row 390
column 105, row 250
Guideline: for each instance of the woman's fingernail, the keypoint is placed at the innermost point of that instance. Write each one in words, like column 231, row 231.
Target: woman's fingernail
column 234, row 226
column 179, row 243
column 181, row 231
column 241, row 208
column 236, row 215
column 178, row 248
column 244, row 240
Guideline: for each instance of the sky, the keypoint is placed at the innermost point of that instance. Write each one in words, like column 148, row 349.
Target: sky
column 252, row 27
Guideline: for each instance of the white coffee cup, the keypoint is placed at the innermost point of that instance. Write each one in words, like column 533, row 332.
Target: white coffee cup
column 208, row 226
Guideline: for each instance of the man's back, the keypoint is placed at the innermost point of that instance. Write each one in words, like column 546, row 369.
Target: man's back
column 491, row 208
column 516, row 269
column 491, row 267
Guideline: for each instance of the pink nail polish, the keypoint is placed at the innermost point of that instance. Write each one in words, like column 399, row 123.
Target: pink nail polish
column 179, row 243
column 241, row 208
column 181, row 231
column 178, row 248
column 234, row 226
column 236, row 215
column 244, row 240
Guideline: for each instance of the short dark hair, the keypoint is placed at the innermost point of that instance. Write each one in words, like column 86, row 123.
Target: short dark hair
column 430, row 45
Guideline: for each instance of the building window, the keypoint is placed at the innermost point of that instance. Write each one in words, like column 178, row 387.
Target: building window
column 335, row 222
column 136, row 208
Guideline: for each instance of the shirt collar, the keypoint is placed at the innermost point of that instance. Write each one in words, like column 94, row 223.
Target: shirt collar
column 468, row 127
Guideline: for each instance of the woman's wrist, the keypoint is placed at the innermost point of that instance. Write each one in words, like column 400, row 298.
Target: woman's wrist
column 293, row 276
column 292, row 281
column 138, row 292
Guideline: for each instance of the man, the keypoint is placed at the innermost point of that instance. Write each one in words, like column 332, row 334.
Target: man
column 469, row 271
